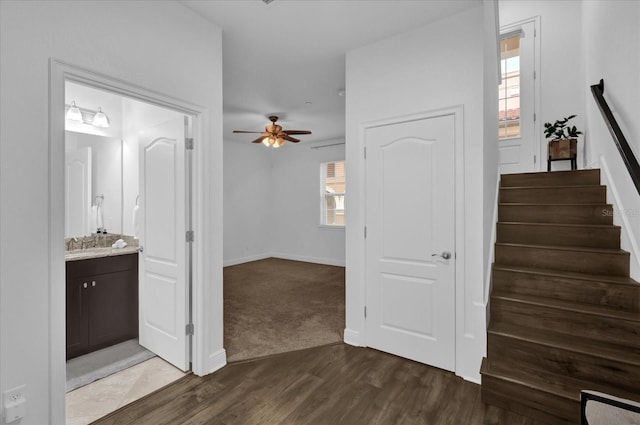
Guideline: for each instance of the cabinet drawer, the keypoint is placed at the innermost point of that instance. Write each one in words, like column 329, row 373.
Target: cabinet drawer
column 102, row 265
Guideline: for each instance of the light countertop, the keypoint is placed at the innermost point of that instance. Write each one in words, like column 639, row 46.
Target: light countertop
column 84, row 254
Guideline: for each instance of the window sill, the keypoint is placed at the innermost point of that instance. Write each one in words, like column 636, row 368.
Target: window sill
column 330, row 227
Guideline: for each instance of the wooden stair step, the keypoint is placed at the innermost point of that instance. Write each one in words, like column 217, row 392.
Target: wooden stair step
column 615, row 292
column 555, row 178
column 565, row 355
column 539, row 390
column 554, row 194
column 570, row 258
column 598, row 213
column 587, row 321
column 526, row 396
column 587, row 235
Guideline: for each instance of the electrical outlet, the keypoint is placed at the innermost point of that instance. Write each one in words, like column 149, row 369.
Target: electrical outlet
column 15, row 403
column 13, row 395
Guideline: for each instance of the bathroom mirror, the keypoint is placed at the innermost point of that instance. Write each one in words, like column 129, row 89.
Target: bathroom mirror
column 93, row 184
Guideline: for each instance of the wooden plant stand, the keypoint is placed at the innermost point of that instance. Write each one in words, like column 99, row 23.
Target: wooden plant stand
column 562, row 150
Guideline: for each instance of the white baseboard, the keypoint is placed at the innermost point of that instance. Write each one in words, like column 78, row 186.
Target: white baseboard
column 352, row 337
column 217, row 360
column 242, row 260
column 326, row 261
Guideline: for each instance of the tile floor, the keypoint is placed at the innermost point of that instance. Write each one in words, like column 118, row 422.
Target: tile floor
column 93, row 401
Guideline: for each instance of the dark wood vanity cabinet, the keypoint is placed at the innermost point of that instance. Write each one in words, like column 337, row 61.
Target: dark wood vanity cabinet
column 102, row 302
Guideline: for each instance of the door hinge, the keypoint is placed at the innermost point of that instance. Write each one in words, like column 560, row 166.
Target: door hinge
column 365, row 153
column 189, row 329
column 535, row 159
column 535, row 117
column 365, row 311
column 535, row 75
column 188, row 143
column 365, row 232
column 189, row 236
column 535, row 31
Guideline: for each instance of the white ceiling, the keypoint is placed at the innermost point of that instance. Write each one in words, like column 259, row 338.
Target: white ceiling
column 288, row 57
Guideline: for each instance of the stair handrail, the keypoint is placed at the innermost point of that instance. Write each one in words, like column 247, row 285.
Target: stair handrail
column 628, row 157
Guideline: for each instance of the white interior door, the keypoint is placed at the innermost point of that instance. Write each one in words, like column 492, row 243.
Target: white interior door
column 410, row 178
column 78, row 192
column 518, row 147
column 163, row 259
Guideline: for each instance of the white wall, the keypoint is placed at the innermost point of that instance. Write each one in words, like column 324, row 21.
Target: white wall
column 611, row 48
column 272, row 206
column 439, row 65
column 146, row 43
column 294, row 200
column 561, row 71
column 247, row 202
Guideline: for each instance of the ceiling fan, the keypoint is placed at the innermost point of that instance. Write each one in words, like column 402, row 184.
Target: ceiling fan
column 274, row 135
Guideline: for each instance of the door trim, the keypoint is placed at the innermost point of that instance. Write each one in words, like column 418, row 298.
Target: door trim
column 203, row 289
column 462, row 323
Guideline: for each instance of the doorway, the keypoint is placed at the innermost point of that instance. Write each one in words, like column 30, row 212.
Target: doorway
column 61, row 75
column 518, row 140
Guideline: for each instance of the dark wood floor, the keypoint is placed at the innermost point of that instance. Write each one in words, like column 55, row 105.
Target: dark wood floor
column 336, row 384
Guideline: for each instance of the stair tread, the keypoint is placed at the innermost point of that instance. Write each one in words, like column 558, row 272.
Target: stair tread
column 558, row 385
column 567, row 248
column 621, row 280
column 554, row 173
column 553, row 204
column 591, row 309
column 572, row 187
column 571, row 225
column 595, row 348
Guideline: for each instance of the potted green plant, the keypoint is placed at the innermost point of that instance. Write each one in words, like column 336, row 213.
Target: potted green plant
column 563, row 143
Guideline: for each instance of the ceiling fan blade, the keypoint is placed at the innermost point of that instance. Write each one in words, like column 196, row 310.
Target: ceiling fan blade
column 297, row 131
column 289, row 138
column 243, row 131
column 259, row 139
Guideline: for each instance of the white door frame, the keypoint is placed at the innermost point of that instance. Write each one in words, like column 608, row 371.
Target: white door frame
column 59, row 73
column 458, row 114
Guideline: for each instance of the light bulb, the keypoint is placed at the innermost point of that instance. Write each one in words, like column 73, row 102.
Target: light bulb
column 265, row 141
column 100, row 119
column 74, row 114
column 279, row 142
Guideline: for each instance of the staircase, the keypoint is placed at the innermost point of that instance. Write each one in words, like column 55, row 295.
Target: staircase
column 564, row 314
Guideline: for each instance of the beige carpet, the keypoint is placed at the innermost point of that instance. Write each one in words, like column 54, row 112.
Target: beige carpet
column 274, row 306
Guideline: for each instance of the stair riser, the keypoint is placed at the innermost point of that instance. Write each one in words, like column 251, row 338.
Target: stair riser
column 573, row 178
column 605, row 329
column 567, row 214
column 575, row 261
column 524, row 355
column 529, row 402
column 554, row 195
column 623, row 297
column 531, row 234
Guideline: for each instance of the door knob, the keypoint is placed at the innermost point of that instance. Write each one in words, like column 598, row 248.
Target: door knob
column 445, row 255
column 140, row 248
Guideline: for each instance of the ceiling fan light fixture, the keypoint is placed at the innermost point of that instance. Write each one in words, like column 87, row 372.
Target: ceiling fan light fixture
column 278, row 142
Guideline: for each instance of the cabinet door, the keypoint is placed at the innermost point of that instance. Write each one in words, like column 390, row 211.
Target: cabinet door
column 77, row 316
column 113, row 308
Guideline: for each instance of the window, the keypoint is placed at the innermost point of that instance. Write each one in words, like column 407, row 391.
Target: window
column 332, row 185
column 509, row 89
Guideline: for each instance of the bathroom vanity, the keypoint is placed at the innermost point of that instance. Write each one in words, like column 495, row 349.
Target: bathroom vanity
column 102, row 299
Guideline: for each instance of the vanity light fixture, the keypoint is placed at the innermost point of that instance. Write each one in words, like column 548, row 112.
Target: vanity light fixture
column 86, row 116
column 73, row 113
column 100, row 119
